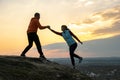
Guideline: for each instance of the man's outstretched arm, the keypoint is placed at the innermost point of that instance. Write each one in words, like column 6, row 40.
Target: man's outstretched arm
column 40, row 26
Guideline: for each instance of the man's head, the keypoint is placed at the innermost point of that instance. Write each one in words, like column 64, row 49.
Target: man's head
column 37, row 15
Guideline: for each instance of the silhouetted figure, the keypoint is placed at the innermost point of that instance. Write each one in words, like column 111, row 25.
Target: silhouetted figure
column 68, row 37
column 32, row 35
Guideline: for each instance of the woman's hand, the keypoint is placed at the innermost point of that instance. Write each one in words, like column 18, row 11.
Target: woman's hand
column 81, row 42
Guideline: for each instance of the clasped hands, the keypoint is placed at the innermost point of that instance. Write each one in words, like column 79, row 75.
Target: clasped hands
column 48, row 27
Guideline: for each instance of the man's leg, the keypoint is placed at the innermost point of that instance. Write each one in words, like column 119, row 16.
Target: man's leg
column 38, row 45
column 30, row 40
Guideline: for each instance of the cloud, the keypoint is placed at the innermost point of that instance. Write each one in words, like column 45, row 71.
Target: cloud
column 59, row 47
column 89, row 3
column 88, row 21
column 111, row 14
column 102, row 24
column 56, row 50
column 115, row 29
column 103, row 47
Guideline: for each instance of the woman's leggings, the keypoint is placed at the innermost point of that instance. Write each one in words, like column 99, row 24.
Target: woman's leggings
column 72, row 54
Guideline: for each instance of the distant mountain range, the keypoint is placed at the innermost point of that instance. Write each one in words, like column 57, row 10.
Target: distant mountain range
column 108, row 47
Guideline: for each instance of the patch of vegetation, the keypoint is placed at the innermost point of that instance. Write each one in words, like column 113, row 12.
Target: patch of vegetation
column 19, row 68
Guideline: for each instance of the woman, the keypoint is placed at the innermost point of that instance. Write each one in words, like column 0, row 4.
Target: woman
column 68, row 37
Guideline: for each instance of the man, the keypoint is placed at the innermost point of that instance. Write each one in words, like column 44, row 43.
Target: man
column 32, row 35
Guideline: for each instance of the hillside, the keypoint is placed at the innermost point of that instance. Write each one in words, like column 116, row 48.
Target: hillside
column 20, row 68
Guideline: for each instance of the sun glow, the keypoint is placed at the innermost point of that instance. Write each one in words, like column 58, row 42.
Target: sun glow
column 87, row 19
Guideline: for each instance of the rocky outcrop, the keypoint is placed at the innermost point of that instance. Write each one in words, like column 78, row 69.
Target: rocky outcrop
column 24, row 68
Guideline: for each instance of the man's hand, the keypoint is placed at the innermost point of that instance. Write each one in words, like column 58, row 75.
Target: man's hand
column 48, row 27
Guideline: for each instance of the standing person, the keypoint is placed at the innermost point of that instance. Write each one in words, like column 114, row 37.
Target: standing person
column 32, row 35
column 68, row 37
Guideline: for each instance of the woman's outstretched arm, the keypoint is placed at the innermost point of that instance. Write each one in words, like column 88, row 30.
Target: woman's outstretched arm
column 58, row 33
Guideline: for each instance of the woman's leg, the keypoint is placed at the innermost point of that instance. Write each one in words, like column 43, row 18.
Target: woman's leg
column 72, row 49
column 75, row 55
column 72, row 54
column 80, row 58
column 72, row 59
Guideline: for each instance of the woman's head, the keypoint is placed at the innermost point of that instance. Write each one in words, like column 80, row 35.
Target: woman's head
column 64, row 27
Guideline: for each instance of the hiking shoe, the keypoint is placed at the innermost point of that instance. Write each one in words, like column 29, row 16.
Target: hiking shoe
column 80, row 59
column 43, row 57
column 23, row 55
column 73, row 67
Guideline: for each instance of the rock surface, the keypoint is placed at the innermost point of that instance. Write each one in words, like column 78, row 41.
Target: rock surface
column 25, row 68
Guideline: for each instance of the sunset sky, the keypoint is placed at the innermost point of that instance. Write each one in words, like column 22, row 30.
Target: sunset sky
column 87, row 19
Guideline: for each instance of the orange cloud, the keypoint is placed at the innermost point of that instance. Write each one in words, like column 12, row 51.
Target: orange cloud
column 102, row 24
column 114, row 28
